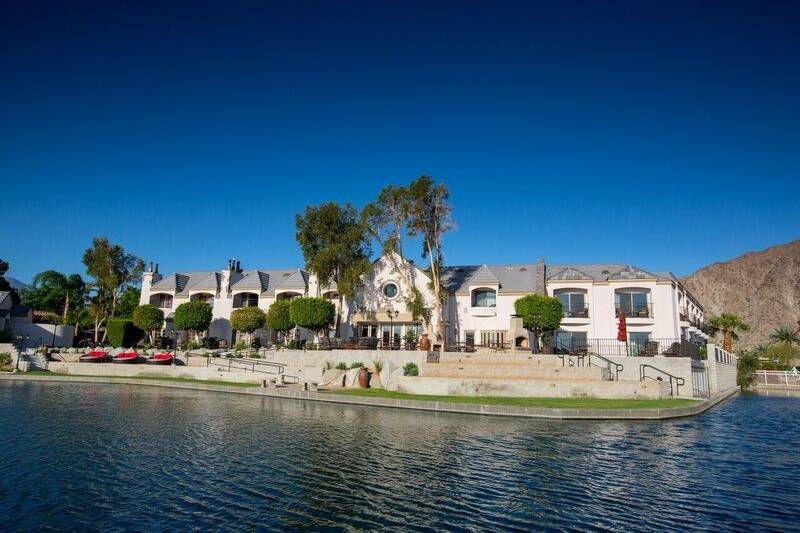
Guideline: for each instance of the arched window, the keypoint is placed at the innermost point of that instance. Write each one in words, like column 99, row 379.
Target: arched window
column 484, row 298
column 161, row 300
column 633, row 303
column 245, row 299
column 573, row 302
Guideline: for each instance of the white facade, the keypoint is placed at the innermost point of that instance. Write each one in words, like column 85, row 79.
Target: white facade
column 478, row 310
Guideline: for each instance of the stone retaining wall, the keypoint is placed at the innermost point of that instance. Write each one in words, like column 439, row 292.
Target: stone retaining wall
column 117, row 370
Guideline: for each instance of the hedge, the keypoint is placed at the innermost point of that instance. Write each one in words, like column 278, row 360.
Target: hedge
column 123, row 333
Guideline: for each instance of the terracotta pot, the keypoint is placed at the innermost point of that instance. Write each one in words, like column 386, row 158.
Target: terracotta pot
column 363, row 378
column 425, row 343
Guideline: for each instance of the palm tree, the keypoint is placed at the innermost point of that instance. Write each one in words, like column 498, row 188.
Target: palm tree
column 729, row 324
column 786, row 335
column 72, row 287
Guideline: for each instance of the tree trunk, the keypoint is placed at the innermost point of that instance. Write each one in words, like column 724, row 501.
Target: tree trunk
column 727, row 340
column 535, row 341
column 66, row 308
column 339, row 316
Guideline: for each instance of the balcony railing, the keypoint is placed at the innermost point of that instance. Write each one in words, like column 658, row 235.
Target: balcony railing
column 615, row 348
column 635, row 311
column 576, row 311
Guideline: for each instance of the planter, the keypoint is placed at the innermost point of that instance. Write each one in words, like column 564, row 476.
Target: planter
column 425, row 343
column 363, row 378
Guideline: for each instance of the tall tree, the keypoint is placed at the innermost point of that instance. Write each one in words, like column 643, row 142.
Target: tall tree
column 56, row 292
column 728, row 324
column 336, row 248
column 112, row 270
column 386, row 220
column 429, row 217
column 5, row 285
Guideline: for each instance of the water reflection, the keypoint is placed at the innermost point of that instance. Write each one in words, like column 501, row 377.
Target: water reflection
column 126, row 457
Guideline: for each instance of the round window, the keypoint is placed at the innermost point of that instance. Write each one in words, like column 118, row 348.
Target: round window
column 390, row 290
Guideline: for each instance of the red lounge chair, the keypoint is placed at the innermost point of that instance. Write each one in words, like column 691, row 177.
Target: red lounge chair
column 125, row 358
column 160, row 359
column 95, row 357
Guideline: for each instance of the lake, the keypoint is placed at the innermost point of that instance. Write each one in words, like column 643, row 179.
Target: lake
column 123, row 457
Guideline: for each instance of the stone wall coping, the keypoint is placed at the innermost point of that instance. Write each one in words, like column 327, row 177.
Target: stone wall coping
column 424, row 405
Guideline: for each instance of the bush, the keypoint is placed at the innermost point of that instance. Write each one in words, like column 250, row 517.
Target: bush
column 148, row 318
column 411, row 369
column 210, row 343
column 123, row 333
column 239, row 346
column 357, row 364
column 378, row 366
column 193, row 316
column 5, row 359
column 279, row 317
column 341, row 366
column 193, row 345
column 315, row 314
column 248, row 319
column 539, row 314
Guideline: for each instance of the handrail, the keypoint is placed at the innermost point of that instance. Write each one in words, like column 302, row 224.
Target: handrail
column 566, row 353
column 617, row 366
column 276, row 369
column 679, row 381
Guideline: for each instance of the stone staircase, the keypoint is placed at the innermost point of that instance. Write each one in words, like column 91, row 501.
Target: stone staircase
column 545, row 376
column 36, row 360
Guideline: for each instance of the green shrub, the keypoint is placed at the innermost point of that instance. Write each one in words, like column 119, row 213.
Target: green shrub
column 5, row 359
column 357, row 364
column 248, row 320
column 149, row 318
column 193, row 316
column 193, row 345
column 210, row 343
column 411, row 369
column 328, row 365
column 279, row 318
column 702, row 353
column 377, row 365
column 123, row 333
column 315, row 314
column 341, row 366
column 239, row 346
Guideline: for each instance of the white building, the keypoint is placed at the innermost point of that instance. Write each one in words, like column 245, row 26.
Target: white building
column 478, row 311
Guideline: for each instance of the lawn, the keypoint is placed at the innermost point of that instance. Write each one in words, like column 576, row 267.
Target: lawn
column 553, row 403
column 144, row 378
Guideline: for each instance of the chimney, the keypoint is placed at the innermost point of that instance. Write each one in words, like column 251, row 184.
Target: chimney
column 238, row 266
column 156, row 270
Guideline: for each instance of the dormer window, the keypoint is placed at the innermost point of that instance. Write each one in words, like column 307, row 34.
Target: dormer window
column 484, row 298
column 245, row 299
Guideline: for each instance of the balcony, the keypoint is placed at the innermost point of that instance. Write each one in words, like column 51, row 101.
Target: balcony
column 614, row 348
column 635, row 311
column 576, row 311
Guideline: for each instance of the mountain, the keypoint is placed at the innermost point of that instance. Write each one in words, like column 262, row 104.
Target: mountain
column 16, row 284
column 761, row 287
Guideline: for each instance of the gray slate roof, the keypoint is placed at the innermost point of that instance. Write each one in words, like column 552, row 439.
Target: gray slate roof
column 4, row 295
column 511, row 278
column 599, row 272
column 263, row 282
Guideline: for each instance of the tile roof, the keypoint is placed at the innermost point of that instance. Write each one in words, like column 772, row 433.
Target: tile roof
column 598, row 272
column 511, row 278
column 483, row 275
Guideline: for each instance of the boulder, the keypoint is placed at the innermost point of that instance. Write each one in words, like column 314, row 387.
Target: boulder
column 332, row 378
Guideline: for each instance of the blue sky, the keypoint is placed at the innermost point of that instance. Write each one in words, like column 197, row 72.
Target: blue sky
column 664, row 135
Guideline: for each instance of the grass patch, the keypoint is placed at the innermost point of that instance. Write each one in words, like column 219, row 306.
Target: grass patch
column 553, row 403
column 143, row 378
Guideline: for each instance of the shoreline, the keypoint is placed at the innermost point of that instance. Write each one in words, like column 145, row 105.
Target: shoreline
column 421, row 405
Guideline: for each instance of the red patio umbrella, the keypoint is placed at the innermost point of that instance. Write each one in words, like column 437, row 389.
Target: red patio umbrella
column 622, row 329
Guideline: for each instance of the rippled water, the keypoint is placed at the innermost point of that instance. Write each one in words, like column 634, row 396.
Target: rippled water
column 116, row 457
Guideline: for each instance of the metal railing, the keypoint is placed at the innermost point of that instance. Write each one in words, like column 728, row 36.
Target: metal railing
column 674, row 381
column 576, row 311
column 635, row 311
column 248, row 365
column 783, row 378
column 646, row 348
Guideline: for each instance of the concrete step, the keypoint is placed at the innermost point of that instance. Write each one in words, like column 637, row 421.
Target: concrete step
column 500, row 358
column 524, row 370
column 531, row 388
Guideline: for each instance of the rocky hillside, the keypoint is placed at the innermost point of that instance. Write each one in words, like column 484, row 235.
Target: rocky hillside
column 761, row 287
